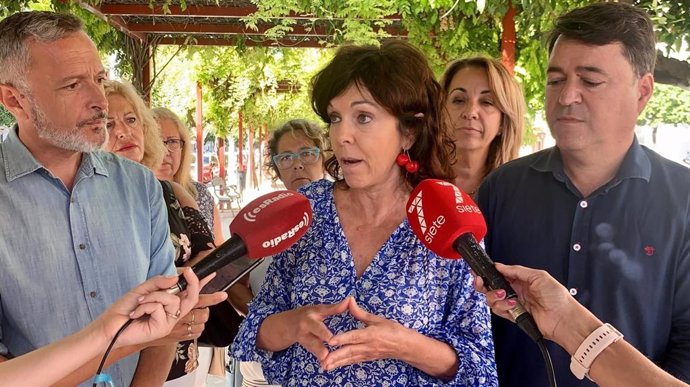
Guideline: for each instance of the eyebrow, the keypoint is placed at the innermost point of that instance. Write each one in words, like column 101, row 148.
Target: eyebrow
column 356, row 103
column 362, row 102
column 462, row 90
column 299, row 150
column 77, row 77
column 127, row 113
column 585, row 69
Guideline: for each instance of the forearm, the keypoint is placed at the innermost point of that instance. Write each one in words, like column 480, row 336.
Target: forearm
column 89, row 367
column 53, row 362
column 154, row 366
column 433, row 357
column 218, row 237
column 620, row 364
column 239, row 296
column 277, row 332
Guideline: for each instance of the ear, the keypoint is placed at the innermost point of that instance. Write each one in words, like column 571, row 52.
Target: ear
column 14, row 101
column 645, row 89
column 408, row 140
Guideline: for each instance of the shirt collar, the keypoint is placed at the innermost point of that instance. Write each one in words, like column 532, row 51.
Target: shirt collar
column 18, row 161
column 635, row 164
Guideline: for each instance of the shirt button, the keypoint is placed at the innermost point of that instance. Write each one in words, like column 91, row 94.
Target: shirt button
column 583, row 204
column 573, row 292
column 82, row 246
column 577, row 247
column 93, row 294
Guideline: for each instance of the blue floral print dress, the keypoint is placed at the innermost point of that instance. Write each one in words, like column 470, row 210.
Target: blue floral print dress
column 405, row 282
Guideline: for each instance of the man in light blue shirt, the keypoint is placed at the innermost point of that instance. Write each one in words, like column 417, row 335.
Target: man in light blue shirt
column 80, row 227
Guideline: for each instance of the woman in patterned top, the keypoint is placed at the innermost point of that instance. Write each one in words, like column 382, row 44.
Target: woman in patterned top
column 135, row 135
column 176, row 167
column 359, row 300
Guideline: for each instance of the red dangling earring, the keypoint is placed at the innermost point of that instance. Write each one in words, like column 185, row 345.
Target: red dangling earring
column 404, row 160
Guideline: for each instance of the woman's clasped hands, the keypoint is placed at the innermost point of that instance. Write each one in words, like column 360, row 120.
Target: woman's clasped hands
column 380, row 338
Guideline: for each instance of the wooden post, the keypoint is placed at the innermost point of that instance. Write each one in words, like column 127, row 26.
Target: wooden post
column 263, row 138
column 508, row 39
column 221, row 157
column 251, row 172
column 199, row 134
column 240, row 144
column 146, row 75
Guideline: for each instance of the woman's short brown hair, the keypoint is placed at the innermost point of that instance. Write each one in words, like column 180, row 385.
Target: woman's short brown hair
column 399, row 78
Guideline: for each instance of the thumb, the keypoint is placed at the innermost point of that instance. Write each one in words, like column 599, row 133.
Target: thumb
column 359, row 313
column 329, row 310
column 518, row 273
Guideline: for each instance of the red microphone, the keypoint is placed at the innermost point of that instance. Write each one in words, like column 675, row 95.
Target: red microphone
column 268, row 225
column 449, row 223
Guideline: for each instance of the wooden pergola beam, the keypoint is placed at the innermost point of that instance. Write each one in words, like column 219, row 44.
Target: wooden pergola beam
column 238, row 29
column 115, row 21
column 306, row 43
column 198, row 11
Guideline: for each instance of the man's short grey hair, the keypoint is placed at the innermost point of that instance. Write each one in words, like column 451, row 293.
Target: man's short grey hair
column 17, row 30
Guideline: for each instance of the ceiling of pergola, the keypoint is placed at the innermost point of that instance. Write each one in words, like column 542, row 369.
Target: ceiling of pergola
column 211, row 22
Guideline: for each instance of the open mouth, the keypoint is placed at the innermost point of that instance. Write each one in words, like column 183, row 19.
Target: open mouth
column 347, row 162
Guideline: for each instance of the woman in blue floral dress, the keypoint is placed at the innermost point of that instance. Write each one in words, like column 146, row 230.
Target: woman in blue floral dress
column 359, row 301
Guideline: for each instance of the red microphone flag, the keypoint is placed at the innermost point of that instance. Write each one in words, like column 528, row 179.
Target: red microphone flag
column 439, row 212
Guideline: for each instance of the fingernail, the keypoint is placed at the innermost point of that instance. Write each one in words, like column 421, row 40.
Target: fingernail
column 140, row 299
column 511, row 302
column 131, row 314
column 501, row 293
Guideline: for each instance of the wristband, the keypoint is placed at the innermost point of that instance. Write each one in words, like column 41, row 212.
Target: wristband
column 591, row 347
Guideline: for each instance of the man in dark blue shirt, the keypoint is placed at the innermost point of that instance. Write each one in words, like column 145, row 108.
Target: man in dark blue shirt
column 607, row 217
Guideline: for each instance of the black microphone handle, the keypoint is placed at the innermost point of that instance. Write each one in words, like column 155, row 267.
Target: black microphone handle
column 483, row 266
column 222, row 255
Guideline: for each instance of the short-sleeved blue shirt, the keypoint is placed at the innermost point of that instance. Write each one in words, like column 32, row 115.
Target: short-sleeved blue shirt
column 66, row 256
column 405, row 282
column 624, row 253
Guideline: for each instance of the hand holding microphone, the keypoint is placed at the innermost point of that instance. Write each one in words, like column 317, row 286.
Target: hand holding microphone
column 449, row 223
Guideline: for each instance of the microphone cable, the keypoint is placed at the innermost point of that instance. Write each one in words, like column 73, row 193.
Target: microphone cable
column 100, row 377
column 550, row 374
column 526, row 323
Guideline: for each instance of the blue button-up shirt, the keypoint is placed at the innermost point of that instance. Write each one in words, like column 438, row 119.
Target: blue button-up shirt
column 66, row 256
column 623, row 252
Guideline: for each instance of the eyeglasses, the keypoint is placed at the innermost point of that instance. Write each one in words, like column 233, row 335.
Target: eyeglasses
column 173, row 144
column 306, row 156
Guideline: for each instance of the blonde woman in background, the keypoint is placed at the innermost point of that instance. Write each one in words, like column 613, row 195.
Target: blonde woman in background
column 176, row 166
column 134, row 134
column 485, row 114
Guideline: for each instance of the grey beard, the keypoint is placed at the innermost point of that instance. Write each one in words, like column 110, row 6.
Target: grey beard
column 69, row 139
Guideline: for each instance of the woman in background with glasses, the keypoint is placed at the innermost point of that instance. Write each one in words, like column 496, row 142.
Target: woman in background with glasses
column 177, row 164
column 294, row 155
